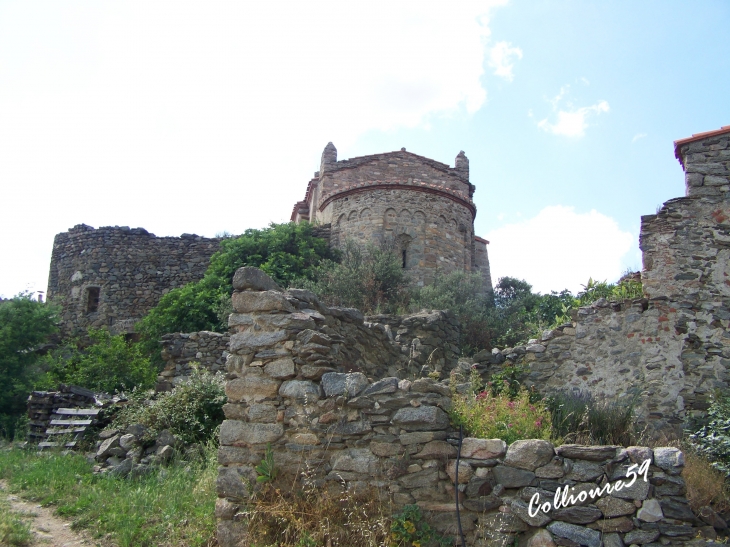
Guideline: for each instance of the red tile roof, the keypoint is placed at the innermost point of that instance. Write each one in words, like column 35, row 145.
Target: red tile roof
column 697, row 137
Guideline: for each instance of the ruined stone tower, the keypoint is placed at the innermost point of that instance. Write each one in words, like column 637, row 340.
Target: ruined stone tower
column 423, row 207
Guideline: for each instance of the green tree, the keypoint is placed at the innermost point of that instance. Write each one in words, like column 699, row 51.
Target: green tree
column 463, row 294
column 371, row 279
column 109, row 364
column 284, row 251
column 25, row 324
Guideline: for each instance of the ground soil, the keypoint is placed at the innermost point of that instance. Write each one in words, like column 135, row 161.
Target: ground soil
column 48, row 530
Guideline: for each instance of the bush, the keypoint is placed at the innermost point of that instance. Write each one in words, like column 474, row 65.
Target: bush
column 25, row 324
column 409, row 528
column 706, row 485
column 580, row 418
column 110, row 364
column 371, row 279
column 626, row 288
column 712, row 440
column 463, row 294
column 192, row 411
column 284, row 251
column 488, row 416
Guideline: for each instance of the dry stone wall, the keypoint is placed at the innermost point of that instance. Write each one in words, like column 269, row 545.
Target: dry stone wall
column 182, row 351
column 671, row 350
column 394, row 434
column 112, row 276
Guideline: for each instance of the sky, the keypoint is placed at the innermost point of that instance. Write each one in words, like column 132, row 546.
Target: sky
column 211, row 117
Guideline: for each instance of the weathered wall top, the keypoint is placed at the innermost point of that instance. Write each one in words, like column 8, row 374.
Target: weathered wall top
column 112, row 276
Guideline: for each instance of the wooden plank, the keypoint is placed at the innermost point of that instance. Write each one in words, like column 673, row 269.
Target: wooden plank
column 51, row 445
column 78, row 411
column 65, row 431
column 70, row 422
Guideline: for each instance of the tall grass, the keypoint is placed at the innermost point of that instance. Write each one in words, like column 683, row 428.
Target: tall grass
column 283, row 514
column 580, row 418
column 169, row 507
column 706, row 485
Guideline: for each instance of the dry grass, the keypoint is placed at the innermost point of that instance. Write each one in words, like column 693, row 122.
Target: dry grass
column 705, row 484
column 289, row 516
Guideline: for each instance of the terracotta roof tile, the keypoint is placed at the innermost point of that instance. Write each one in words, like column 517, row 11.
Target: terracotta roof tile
column 697, row 137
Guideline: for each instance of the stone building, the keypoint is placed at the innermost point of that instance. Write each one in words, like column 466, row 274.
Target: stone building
column 112, row 276
column 421, row 206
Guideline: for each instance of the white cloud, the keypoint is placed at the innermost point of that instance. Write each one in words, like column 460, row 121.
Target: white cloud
column 559, row 248
column 501, row 58
column 569, row 120
column 154, row 114
column 637, row 137
column 573, row 123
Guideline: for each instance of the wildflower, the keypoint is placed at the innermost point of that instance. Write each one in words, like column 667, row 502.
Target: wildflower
column 409, row 526
column 511, row 404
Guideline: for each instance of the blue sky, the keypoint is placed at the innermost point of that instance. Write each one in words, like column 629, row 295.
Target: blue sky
column 210, row 117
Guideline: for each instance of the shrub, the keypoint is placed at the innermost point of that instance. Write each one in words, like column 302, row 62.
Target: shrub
column 370, row 279
column 409, row 528
column 578, row 417
column 712, row 440
column 488, row 416
column 706, row 485
column 110, row 364
column 463, row 294
column 626, row 288
column 284, row 251
column 24, row 325
column 192, row 410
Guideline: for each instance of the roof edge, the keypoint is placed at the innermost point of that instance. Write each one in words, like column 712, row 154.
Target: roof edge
column 697, row 137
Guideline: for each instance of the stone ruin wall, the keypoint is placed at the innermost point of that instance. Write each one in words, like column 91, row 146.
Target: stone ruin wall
column 131, row 269
column 671, row 349
column 366, row 426
column 181, row 351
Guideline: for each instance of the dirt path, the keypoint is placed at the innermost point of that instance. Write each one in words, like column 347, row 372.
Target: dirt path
column 47, row 529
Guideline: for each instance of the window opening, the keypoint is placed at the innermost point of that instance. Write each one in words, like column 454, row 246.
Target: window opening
column 404, row 258
column 92, row 301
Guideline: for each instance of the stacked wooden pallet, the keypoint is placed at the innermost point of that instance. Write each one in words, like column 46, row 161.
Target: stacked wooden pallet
column 68, row 424
column 43, row 407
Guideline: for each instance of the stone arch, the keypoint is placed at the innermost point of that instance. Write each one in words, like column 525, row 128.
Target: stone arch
column 352, row 216
column 365, row 214
column 442, row 222
column 340, row 220
column 405, row 216
column 419, row 218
